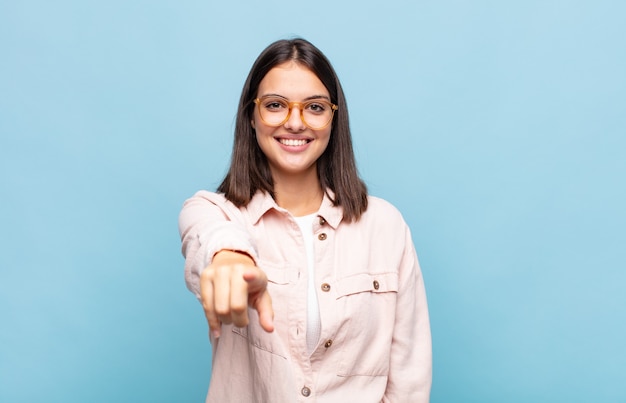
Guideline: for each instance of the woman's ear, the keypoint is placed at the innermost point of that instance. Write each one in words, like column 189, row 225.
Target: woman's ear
column 252, row 123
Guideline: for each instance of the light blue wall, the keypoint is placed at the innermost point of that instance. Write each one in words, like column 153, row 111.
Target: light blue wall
column 498, row 128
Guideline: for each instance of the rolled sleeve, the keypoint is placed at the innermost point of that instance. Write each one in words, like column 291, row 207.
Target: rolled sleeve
column 207, row 224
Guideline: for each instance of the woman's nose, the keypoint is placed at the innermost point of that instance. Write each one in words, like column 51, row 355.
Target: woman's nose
column 295, row 123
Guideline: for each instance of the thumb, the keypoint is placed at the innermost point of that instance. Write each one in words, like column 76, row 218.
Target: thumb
column 256, row 279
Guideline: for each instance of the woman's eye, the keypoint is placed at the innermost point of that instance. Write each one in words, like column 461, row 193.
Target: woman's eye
column 316, row 107
column 274, row 105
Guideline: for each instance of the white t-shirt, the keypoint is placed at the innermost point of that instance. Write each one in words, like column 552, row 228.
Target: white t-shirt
column 313, row 323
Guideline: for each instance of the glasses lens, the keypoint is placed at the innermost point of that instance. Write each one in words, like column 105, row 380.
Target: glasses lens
column 315, row 114
column 273, row 110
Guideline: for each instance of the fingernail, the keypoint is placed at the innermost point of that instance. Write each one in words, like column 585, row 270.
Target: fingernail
column 216, row 333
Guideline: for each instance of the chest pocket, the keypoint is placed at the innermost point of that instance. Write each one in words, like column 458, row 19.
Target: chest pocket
column 368, row 303
column 279, row 280
column 277, row 274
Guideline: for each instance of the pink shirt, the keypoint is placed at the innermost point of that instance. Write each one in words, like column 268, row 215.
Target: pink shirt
column 375, row 343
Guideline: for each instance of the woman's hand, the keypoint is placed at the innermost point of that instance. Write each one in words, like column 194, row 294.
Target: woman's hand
column 228, row 285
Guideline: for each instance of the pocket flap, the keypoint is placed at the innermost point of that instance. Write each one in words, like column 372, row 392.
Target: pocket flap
column 368, row 282
column 277, row 274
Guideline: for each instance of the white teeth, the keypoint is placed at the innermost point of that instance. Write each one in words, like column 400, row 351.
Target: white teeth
column 292, row 142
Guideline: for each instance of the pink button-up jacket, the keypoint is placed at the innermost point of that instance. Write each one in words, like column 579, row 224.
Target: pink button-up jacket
column 375, row 343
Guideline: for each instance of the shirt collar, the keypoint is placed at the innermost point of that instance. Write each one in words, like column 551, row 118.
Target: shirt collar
column 262, row 202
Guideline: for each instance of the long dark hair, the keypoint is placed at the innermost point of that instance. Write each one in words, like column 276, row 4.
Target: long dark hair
column 336, row 167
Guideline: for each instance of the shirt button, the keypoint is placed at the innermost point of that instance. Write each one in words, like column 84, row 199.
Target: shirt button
column 321, row 236
column 306, row 392
column 376, row 285
column 328, row 343
column 322, row 221
column 325, row 287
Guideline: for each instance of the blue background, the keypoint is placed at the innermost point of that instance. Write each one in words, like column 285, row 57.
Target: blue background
column 497, row 128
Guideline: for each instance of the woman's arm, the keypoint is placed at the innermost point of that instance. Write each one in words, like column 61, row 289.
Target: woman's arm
column 410, row 370
column 220, row 266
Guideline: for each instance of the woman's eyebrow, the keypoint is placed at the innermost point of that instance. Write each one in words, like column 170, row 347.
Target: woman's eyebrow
column 305, row 99
column 317, row 97
column 273, row 95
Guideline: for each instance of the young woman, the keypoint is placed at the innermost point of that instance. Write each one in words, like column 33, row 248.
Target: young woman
column 311, row 288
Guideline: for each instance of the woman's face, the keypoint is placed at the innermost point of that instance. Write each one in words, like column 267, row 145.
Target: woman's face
column 291, row 148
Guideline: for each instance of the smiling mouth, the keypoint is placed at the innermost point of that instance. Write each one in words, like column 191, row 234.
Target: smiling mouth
column 294, row 142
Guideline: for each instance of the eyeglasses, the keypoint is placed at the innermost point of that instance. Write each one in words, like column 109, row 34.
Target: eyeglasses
column 316, row 114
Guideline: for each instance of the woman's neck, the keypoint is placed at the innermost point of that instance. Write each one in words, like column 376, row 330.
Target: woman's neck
column 297, row 194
